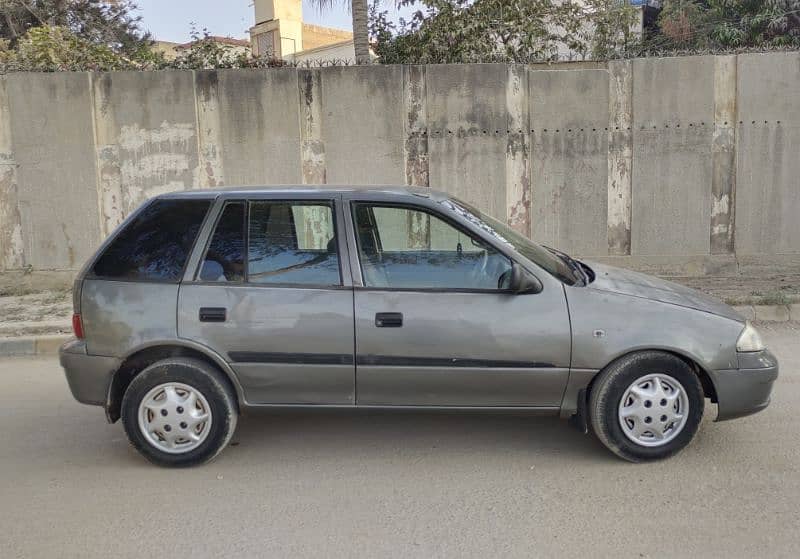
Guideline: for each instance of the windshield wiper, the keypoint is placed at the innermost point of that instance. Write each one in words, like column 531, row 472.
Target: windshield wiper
column 572, row 264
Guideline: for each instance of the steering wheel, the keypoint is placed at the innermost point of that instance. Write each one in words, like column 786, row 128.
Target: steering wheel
column 504, row 281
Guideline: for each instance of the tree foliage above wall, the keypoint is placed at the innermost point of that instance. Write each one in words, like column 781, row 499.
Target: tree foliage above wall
column 726, row 24
column 56, row 35
column 71, row 34
column 521, row 30
column 478, row 30
column 101, row 23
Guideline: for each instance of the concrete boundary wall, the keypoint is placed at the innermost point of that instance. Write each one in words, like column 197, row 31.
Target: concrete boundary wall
column 673, row 165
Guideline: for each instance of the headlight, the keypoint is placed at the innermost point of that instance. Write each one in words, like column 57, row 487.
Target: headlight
column 749, row 339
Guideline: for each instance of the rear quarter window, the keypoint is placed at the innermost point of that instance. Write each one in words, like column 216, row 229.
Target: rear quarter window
column 155, row 245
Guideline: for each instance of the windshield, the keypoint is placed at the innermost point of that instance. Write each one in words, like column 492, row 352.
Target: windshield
column 523, row 245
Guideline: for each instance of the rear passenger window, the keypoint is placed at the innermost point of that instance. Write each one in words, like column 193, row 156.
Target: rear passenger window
column 155, row 245
column 292, row 243
column 224, row 259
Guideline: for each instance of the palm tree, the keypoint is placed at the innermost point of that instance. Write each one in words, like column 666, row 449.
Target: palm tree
column 360, row 24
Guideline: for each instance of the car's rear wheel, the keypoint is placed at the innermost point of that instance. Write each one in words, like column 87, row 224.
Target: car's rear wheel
column 179, row 412
column 646, row 406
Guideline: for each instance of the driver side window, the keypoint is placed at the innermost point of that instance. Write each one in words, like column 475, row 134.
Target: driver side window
column 410, row 248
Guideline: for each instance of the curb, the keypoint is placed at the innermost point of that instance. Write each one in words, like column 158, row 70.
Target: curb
column 31, row 345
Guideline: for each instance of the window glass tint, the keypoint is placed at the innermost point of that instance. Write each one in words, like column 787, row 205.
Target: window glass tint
column 224, row 259
column 156, row 244
column 292, row 242
column 412, row 249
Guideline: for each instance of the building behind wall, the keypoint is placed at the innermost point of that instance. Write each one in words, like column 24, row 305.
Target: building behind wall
column 171, row 50
column 280, row 32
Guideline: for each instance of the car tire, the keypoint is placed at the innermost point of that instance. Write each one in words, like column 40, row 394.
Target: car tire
column 179, row 412
column 646, row 406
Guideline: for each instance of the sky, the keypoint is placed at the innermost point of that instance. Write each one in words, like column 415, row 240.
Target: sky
column 170, row 20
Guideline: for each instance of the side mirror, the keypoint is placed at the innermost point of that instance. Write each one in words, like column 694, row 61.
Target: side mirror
column 523, row 282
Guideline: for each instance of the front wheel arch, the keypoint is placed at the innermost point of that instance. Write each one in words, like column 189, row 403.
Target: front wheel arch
column 709, row 390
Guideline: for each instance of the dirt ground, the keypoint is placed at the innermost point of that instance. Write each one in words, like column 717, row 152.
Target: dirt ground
column 767, row 289
column 45, row 312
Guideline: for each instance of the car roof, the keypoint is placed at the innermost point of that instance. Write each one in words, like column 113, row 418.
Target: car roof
column 399, row 191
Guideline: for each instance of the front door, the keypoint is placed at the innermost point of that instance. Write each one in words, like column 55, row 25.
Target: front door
column 436, row 325
column 270, row 297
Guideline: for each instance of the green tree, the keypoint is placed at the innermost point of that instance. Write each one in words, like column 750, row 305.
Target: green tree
column 49, row 48
column 97, row 22
column 359, row 11
column 480, row 30
column 726, row 24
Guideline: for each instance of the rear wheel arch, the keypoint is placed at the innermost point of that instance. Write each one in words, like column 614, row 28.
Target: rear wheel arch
column 138, row 360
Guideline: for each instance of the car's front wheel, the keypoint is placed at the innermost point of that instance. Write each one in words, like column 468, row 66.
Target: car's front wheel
column 646, row 406
column 179, row 412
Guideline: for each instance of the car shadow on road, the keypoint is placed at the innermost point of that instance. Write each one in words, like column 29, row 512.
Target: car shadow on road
column 339, row 433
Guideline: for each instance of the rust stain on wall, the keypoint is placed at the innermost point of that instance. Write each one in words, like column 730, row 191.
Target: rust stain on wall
column 620, row 157
column 312, row 147
column 519, row 215
column 11, row 243
column 723, row 154
column 518, row 178
column 417, row 165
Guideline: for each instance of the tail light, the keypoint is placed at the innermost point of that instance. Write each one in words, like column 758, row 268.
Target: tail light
column 77, row 326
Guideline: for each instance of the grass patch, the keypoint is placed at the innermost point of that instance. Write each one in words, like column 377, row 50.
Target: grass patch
column 769, row 298
column 18, row 290
column 773, row 298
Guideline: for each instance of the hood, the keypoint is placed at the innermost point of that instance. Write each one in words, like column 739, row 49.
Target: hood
column 635, row 284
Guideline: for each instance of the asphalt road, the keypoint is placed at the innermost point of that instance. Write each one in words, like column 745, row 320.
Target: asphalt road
column 394, row 485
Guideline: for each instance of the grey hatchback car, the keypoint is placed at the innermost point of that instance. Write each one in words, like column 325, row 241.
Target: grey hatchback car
column 205, row 303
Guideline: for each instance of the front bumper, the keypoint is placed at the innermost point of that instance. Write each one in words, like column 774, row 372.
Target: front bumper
column 746, row 390
column 88, row 376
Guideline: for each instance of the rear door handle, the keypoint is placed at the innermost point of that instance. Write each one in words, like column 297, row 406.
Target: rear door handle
column 213, row 314
column 389, row 320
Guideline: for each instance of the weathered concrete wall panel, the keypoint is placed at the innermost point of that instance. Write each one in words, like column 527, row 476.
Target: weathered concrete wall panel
column 673, row 116
column 362, row 117
column 52, row 136
column 255, row 134
column 768, row 136
column 569, row 116
column 467, row 134
column 768, row 189
column 146, row 138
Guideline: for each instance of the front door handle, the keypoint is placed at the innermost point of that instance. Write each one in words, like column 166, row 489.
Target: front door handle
column 213, row 314
column 389, row 320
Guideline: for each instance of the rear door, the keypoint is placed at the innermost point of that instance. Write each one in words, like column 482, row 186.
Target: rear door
column 435, row 324
column 271, row 293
